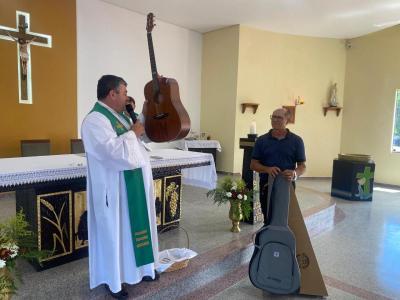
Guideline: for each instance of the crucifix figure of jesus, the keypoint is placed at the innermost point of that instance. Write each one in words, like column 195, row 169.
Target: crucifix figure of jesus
column 24, row 38
column 23, row 53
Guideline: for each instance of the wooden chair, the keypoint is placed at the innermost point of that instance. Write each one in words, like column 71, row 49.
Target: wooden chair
column 35, row 147
column 77, row 146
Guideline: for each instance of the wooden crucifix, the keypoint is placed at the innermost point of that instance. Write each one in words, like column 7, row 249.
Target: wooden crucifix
column 24, row 39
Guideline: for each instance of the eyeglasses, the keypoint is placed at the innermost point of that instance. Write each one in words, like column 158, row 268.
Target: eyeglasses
column 279, row 118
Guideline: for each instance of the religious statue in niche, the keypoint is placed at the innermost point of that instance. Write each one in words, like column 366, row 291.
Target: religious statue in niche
column 23, row 52
column 333, row 97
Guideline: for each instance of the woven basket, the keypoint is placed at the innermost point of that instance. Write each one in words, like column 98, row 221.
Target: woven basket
column 180, row 264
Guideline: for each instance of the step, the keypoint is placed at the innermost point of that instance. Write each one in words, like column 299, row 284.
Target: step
column 219, row 268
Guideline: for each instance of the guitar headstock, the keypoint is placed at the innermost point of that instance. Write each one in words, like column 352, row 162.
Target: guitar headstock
column 150, row 22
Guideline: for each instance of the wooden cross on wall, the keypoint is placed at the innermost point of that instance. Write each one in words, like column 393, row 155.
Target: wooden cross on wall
column 24, row 39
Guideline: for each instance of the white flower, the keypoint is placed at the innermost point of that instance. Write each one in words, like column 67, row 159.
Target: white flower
column 245, row 197
column 240, row 196
column 2, row 263
column 234, row 187
column 14, row 253
column 14, row 248
column 229, row 194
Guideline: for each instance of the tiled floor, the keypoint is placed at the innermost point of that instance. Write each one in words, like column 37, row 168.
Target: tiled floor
column 359, row 256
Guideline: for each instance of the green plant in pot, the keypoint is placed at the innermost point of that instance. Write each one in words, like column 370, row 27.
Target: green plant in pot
column 234, row 191
column 16, row 241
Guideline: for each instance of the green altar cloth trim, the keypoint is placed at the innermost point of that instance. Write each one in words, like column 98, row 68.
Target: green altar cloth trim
column 137, row 205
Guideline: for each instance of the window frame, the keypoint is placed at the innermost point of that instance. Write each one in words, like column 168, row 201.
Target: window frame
column 395, row 148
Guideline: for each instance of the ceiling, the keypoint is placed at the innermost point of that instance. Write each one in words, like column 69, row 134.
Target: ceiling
column 320, row 18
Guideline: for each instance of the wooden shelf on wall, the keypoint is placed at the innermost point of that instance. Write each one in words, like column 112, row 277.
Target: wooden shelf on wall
column 252, row 105
column 335, row 108
column 292, row 112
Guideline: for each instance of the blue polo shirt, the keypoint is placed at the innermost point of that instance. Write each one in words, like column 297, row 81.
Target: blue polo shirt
column 284, row 153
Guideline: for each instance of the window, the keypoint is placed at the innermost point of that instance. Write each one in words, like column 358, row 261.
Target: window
column 396, row 125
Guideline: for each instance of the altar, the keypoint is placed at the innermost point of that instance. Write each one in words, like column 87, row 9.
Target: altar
column 51, row 190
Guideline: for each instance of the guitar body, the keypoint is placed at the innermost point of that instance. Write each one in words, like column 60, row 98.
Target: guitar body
column 165, row 117
column 174, row 123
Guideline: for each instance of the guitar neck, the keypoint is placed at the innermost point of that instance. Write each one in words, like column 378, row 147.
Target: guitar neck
column 154, row 73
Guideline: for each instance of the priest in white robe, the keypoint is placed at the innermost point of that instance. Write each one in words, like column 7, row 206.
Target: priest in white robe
column 123, row 244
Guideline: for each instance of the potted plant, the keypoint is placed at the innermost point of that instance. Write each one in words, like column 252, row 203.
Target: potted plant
column 235, row 192
column 16, row 240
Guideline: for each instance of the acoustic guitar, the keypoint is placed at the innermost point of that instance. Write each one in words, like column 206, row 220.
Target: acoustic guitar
column 165, row 117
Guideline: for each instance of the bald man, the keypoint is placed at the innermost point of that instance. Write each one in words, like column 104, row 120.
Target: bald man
column 277, row 152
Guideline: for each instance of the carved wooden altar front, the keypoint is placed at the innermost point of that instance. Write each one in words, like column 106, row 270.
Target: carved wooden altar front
column 57, row 213
column 56, row 210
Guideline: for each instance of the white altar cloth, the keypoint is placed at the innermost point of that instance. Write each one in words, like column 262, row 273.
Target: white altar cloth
column 186, row 144
column 25, row 170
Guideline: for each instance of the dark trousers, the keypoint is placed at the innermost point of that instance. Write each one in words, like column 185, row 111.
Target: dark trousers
column 264, row 200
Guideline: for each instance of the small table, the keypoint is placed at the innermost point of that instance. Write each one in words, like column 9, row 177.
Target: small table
column 353, row 180
column 204, row 146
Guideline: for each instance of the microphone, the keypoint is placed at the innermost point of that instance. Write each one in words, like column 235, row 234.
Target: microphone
column 129, row 109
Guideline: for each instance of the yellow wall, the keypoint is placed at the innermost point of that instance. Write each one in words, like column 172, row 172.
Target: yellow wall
column 372, row 77
column 271, row 69
column 274, row 69
column 218, row 93
column 53, row 113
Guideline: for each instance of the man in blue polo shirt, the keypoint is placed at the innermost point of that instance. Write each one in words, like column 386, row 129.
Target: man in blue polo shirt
column 277, row 152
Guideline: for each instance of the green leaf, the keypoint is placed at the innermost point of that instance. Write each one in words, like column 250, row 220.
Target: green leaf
column 17, row 231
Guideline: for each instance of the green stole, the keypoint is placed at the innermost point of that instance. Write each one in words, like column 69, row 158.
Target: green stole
column 138, row 214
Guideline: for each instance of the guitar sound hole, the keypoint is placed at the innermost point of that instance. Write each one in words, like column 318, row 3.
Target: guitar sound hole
column 160, row 116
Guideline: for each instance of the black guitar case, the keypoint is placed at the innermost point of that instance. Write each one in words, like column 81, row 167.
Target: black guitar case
column 273, row 266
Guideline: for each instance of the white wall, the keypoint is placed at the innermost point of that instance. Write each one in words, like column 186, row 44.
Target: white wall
column 112, row 40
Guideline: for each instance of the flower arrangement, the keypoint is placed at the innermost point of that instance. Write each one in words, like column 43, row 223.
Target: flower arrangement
column 16, row 240
column 234, row 191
